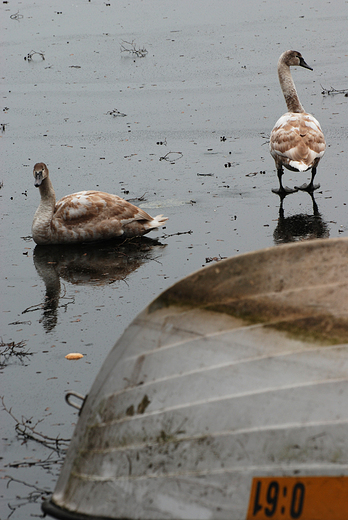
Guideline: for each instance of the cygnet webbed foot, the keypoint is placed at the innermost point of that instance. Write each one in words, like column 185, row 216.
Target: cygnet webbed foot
column 282, row 192
column 308, row 187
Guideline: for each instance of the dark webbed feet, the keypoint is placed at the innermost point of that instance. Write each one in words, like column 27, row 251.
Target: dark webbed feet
column 310, row 187
column 283, row 192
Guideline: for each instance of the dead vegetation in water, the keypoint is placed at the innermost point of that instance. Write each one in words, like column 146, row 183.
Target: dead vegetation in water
column 189, row 232
column 31, row 54
column 253, row 174
column 115, row 113
column 16, row 16
column 332, row 91
column 171, row 157
column 48, row 301
column 131, row 48
column 35, row 496
column 136, row 199
column 267, row 138
column 13, row 350
column 214, row 259
column 27, row 430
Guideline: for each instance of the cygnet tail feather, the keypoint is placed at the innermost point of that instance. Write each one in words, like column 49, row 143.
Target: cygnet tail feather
column 300, row 166
column 158, row 221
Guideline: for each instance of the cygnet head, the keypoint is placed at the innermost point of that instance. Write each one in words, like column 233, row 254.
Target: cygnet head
column 293, row 59
column 40, row 173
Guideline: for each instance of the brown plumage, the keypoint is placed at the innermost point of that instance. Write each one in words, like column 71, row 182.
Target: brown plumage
column 297, row 141
column 85, row 216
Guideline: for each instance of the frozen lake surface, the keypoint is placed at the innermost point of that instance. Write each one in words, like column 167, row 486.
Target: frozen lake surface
column 199, row 108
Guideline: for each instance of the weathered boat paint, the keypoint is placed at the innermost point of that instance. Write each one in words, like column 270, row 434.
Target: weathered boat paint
column 237, row 371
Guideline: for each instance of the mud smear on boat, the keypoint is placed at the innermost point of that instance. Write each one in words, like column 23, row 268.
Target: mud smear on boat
column 297, row 288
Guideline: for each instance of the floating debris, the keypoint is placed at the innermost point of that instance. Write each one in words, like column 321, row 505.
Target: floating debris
column 171, row 157
column 252, row 174
column 332, row 91
column 74, row 355
column 130, row 47
column 138, row 199
column 115, row 113
column 20, row 322
column 189, row 232
column 30, row 55
column 214, row 259
column 16, row 16
column 26, row 429
column 12, row 350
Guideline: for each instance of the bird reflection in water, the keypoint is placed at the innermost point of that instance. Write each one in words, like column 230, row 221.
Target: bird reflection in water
column 87, row 264
column 301, row 226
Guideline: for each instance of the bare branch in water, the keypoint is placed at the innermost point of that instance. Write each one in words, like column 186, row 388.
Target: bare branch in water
column 37, row 495
column 137, row 199
column 178, row 233
column 116, row 113
column 131, row 48
column 10, row 349
column 16, row 16
column 30, row 55
column 332, row 91
column 171, row 157
column 26, row 430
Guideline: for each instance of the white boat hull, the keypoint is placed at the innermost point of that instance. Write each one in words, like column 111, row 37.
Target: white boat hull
column 237, row 373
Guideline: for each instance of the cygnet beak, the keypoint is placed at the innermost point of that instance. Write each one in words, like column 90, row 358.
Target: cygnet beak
column 38, row 179
column 304, row 64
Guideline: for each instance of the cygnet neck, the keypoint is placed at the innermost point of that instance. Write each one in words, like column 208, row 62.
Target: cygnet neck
column 288, row 87
column 47, row 192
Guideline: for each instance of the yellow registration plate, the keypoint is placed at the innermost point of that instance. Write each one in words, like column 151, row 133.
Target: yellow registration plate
column 305, row 498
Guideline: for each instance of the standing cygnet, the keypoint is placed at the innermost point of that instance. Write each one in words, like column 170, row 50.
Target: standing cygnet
column 297, row 141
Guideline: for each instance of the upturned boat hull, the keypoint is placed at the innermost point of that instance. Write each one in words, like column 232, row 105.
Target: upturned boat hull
column 226, row 398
